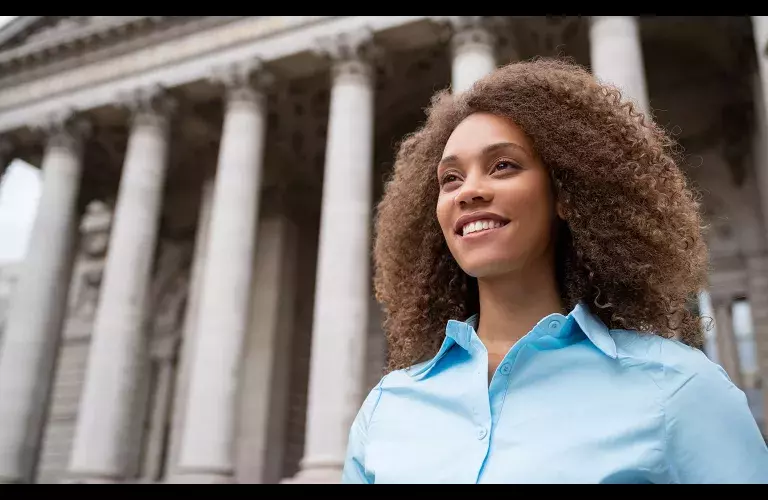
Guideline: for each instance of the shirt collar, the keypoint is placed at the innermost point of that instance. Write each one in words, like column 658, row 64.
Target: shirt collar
column 462, row 332
column 456, row 332
column 595, row 330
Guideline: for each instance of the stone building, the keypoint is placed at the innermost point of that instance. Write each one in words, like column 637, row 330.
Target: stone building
column 196, row 303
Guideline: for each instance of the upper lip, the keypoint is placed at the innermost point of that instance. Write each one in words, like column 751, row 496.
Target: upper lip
column 474, row 216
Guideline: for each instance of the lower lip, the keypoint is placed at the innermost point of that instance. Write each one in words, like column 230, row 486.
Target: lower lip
column 480, row 234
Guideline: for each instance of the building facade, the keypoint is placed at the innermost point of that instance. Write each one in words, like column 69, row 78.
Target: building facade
column 196, row 302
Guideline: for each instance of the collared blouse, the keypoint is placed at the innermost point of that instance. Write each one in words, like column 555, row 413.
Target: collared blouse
column 571, row 402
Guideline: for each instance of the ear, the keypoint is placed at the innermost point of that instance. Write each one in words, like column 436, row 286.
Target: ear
column 559, row 210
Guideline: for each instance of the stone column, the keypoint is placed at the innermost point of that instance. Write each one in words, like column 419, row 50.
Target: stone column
column 727, row 345
column 191, row 313
column 758, row 265
column 473, row 50
column 336, row 375
column 207, row 451
column 760, row 35
column 617, row 56
column 31, row 340
column 757, row 276
column 118, row 353
column 265, row 383
column 760, row 96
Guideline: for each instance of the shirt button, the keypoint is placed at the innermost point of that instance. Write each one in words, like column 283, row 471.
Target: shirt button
column 481, row 433
column 554, row 325
column 506, row 368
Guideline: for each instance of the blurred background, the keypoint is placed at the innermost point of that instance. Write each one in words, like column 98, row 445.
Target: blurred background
column 186, row 207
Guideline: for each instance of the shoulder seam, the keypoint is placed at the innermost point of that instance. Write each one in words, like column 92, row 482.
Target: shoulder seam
column 378, row 398
column 665, row 442
column 665, row 451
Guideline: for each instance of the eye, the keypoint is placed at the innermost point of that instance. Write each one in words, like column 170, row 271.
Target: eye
column 503, row 165
column 448, row 178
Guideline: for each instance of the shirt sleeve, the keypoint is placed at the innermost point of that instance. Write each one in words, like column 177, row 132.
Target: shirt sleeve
column 711, row 434
column 355, row 471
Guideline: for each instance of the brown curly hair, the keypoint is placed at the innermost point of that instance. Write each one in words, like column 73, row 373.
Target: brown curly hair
column 630, row 246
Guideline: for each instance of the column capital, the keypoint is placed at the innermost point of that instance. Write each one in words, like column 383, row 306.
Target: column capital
column 348, row 45
column 150, row 105
column 470, row 30
column 352, row 53
column 65, row 129
column 243, row 81
column 460, row 23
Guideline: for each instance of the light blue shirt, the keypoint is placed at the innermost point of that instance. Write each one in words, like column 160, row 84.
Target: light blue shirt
column 571, row 402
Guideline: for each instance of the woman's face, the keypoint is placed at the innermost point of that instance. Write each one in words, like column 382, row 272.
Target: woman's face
column 495, row 208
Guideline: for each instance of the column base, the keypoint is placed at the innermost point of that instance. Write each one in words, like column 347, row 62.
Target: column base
column 91, row 480
column 329, row 475
column 200, row 478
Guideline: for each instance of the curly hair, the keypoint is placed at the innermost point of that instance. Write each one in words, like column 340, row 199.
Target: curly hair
column 630, row 245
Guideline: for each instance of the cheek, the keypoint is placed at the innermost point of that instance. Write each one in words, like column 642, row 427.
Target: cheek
column 531, row 204
column 443, row 213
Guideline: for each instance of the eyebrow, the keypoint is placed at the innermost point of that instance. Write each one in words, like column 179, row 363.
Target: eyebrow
column 486, row 151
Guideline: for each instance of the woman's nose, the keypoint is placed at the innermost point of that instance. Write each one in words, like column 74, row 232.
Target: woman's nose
column 473, row 192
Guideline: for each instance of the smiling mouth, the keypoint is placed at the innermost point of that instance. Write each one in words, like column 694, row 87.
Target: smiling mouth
column 481, row 226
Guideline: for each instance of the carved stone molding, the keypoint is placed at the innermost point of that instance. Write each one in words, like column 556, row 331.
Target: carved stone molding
column 149, row 106
column 244, row 81
column 70, row 34
column 65, row 129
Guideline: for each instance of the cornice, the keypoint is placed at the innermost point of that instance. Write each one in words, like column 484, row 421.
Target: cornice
column 99, row 39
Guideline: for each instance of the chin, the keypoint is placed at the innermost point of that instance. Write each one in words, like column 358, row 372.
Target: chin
column 487, row 268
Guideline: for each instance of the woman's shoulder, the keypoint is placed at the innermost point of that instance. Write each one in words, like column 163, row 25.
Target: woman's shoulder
column 670, row 363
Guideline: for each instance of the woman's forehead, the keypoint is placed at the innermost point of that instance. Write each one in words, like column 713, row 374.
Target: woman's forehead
column 478, row 131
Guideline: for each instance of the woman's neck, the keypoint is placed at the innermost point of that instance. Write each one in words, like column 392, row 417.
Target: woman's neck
column 511, row 305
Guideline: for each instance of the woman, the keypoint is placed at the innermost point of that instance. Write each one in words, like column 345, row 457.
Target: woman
column 537, row 255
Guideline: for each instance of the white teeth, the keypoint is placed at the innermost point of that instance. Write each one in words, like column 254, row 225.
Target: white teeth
column 480, row 225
